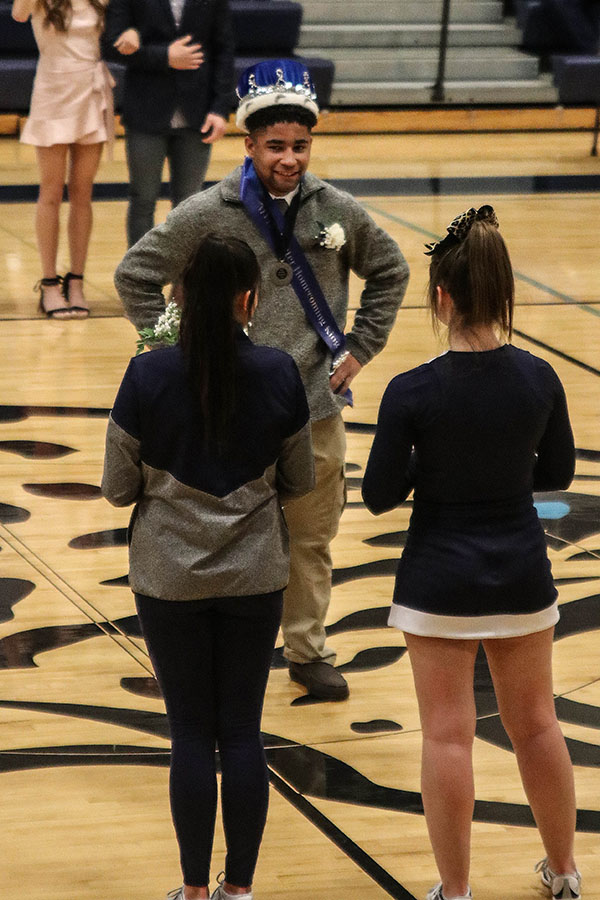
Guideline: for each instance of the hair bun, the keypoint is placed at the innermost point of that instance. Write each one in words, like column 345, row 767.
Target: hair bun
column 487, row 214
column 459, row 228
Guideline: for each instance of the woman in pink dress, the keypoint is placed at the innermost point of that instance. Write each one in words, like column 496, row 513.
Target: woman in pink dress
column 70, row 119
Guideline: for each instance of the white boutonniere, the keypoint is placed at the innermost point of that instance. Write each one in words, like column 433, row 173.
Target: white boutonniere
column 332, row 237
column 164, row 334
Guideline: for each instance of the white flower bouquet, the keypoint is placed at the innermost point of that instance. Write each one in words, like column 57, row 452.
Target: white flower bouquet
column 164, row 334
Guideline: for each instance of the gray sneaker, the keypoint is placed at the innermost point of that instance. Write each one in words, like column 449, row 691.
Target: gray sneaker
column 436, row 894
column 321, row 678
column 563, row 887
column 220, row 894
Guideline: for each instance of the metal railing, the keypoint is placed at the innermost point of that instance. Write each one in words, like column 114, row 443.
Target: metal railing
column 438, row 93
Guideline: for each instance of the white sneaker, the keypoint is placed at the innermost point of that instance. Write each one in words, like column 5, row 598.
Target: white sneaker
column 436, row 894
column 221, row 894
column 563, row 887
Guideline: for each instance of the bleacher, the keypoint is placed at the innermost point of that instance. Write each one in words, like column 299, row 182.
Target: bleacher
column 567, row 34
column 386, row 53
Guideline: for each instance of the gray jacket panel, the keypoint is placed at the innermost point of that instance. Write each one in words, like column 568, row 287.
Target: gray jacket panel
column 187, row 544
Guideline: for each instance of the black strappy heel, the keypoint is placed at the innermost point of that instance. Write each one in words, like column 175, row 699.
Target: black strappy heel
column 59, row 311
column 69, row 277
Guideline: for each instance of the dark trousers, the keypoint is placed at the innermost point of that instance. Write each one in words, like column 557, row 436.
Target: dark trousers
column 146, row 153
column 212, row 661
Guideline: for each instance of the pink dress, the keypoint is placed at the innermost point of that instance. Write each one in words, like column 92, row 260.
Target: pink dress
column 72, row 99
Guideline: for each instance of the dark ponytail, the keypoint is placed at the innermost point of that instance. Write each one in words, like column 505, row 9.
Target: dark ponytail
column 222, row 269
column 477, row 273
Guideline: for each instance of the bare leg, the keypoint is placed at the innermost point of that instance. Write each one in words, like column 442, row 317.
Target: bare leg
column 85, row 159
column 443, row 672
column 522, row 672
column 52, row 165
column 201, row 893
column 195, row 893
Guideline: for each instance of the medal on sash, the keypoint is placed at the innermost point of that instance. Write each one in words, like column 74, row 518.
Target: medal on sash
column 282, row 273
column 292, row 266
column 282, row 230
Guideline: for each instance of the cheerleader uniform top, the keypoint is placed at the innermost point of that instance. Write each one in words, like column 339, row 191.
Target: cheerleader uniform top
column 474, row 433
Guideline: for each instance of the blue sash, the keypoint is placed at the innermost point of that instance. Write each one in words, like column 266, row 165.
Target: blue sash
column 306, row 286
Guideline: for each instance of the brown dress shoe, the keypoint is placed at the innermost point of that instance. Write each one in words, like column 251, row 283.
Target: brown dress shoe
column 321, row 678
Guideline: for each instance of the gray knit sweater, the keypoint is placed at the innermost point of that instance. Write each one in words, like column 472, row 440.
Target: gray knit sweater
column 161, row 255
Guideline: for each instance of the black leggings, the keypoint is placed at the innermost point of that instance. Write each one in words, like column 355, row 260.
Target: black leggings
column 212, row 661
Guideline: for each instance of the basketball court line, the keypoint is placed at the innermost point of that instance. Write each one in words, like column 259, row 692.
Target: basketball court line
column 520, row 276
column 75, row 598
column 432, row 186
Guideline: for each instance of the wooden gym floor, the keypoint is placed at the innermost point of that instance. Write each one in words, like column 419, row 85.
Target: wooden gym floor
column 84, row 746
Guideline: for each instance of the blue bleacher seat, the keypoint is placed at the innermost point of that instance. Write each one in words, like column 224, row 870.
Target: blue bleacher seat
column 16, row 83
column 577, row 79
column 16, row 38
column 18, row 57
column 559, row 26
column 265, row 27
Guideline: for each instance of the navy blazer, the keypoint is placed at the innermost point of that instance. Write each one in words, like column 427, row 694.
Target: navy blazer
column 153, row 90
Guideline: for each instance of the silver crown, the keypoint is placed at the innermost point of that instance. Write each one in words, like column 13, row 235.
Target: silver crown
column 280, row 91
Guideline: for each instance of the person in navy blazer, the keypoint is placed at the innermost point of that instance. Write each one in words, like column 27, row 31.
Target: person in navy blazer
column 178, row 93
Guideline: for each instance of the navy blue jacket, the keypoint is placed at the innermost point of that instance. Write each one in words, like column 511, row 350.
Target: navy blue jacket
column 153, row 90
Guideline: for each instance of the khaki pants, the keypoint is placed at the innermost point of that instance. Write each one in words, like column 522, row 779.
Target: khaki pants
column 313, row 522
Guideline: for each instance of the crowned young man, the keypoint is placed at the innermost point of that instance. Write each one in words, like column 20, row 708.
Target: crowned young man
column 307, row 236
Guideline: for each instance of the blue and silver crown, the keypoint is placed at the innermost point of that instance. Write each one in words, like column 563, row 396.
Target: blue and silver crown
column 273, row 82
